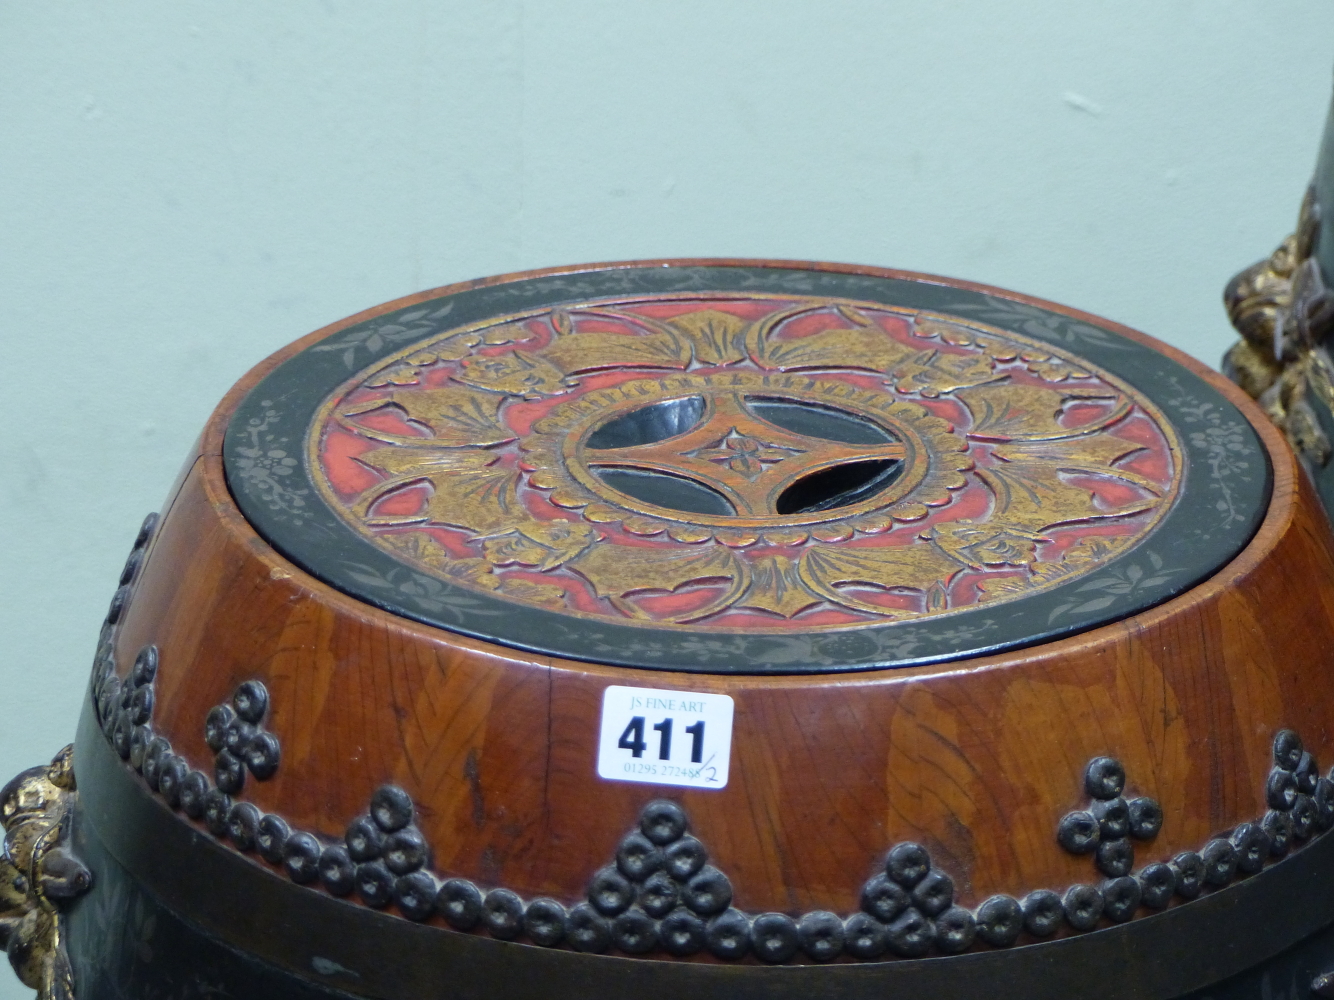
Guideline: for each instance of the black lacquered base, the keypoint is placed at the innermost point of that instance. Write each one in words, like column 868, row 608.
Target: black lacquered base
column 1266, row 936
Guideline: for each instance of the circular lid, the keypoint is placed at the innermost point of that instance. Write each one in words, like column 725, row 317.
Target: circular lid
column 745, row 468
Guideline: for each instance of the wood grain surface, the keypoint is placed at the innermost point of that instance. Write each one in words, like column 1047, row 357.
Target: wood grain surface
column 977, row 759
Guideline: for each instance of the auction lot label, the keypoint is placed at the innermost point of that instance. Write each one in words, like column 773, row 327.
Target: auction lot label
column 665, row 737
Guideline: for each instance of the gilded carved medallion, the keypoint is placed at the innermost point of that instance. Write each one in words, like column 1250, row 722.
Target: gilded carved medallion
column 744, row 462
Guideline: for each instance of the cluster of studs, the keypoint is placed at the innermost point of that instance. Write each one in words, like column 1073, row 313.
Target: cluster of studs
column 237, row 735
column 1106, row 830
column 124, row 709
column 1301, row 804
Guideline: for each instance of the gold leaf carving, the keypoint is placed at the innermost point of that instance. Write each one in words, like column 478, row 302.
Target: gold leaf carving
column 457, row 417
column 541, row 544
column 981, row 545
column 484, row 501
column 932, row 373
column 517, row 373
column 536, row 593
column 1010, row 412
column 913, row 567
column 1033, row 497
column 617, row 572
column 776, row 587
column 581, row 352
column 717, row 337
column 853, row 347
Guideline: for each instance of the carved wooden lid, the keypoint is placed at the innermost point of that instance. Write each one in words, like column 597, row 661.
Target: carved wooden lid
column 745, row 469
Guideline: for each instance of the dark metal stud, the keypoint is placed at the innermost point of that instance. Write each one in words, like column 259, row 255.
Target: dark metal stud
column 1189, row 869
column 364, row 840
column 271, row 839
column 884, row 899
column 243, row 825
column 1115, row 858
column 955, row 930
column 194, row 791
column 1078, row 832
column 375, row 884
column 414, row 895
column 139, row 740
column 141, row 705
column 1252, row 846
column 663, row 821
column 460, row 903
column 405, row 850
column 637, row 857
column 1307, row 773
column 1220, row 862
column 237, row 736
column 728, row 935
column 1083, row 906
column 820, row 934
column 172, row 772
column 934, row 893
column 1323, row 800
column 502, row 912
column 391, row 808
column 586, row 931
column 659, row 895
column 773, row 937
column 910, row 934
column 681, row 933
column 1157, row 883
column 1287, row 749
column 122, row 733
column 217, row 804
column 1303, row 817
column 337, row 871
column 999, row 921
column 107, row 701
column 685, row 858
column 126, row 694
column 610, row 892
column 864, row 936
column 302, row 858
column 145, row 666
column 544, row 922
column 1120, row 898
column 146, row 530
column 251, row 700
column 708, row 893
column 1113, row 816
column 1043, row 912
column 215, row 726
column 1281, row 789
column 118, row 601
column 907, row 863
column 1146, row 817
column 262, row 755
column 131, row 567
column 228, row 772
column 1104, row 778
column 158, row 748
column 1279, row 827
column 634, row 932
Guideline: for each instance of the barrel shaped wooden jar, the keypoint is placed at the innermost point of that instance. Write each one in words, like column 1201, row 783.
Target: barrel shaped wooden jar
column 1019, row 620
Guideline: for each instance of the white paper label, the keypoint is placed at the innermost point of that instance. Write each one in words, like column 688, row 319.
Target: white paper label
column 665, row 737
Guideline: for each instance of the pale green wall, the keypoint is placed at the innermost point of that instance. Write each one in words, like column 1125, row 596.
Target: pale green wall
column 186, row 186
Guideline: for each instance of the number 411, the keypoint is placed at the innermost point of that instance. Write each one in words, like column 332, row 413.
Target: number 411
column 633, row 739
